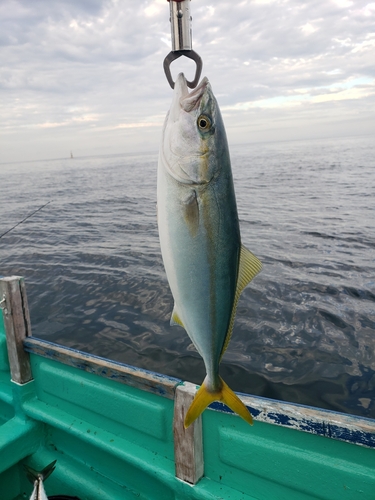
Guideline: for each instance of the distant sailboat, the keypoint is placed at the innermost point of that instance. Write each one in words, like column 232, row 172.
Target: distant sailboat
column 71, row 155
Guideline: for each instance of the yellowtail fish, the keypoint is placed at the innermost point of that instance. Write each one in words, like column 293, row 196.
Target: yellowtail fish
column 37, row 478
column 206, row 265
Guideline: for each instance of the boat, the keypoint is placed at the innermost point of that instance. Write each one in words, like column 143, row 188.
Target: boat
column 116, row 431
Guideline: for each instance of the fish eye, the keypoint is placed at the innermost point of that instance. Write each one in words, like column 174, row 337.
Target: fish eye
column 204, row 123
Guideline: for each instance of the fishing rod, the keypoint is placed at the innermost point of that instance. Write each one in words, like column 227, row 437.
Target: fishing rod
column 23, row 220
column 181, row 36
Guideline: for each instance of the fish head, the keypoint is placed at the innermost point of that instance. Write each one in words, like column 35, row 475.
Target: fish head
column 194, row 140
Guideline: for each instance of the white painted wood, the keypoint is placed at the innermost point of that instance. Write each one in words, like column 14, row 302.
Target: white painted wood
column 188, row 443
column 17, row 326
column 327, row 423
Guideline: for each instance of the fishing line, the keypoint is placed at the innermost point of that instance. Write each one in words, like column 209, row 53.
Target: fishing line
column 23, row 220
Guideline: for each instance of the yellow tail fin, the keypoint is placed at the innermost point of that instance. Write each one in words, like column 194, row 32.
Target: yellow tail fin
column 204, row 397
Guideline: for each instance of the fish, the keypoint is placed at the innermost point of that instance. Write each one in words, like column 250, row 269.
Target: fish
column 207, row 266
column 37, row 478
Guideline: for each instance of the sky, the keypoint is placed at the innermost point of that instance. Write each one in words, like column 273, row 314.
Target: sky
column 87, row 75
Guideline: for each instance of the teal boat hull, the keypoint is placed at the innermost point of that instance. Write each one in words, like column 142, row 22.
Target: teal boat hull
column 112, row 430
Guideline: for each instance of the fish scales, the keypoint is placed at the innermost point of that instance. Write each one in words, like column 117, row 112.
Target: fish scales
column 200, row 235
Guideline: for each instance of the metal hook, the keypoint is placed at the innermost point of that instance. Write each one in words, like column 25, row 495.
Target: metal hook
column 187, row 53
column 181, row 37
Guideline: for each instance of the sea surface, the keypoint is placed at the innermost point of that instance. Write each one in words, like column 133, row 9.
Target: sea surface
column 305, row 327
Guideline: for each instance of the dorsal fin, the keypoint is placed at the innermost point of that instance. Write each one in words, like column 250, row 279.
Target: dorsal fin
column 175, row 318
column 249, row 267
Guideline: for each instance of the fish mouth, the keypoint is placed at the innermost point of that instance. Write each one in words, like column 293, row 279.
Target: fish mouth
column 184, row 99
column 191, row 100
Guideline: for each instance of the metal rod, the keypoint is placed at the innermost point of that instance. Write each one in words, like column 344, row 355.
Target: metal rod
column 180, row 19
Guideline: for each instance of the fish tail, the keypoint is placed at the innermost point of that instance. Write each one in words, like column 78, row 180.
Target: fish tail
column 204, row 397
column 33, row 474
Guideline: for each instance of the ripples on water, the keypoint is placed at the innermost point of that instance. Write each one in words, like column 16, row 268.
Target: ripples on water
column 305, row 327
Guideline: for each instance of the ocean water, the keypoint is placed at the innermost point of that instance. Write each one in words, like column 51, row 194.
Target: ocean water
column 305, row 327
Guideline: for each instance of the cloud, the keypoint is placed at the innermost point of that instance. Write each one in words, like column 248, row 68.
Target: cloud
column 91, row 68
column 139, row 124
column 352, row 89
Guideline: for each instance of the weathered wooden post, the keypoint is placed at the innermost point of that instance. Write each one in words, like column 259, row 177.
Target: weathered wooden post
column 188, row 444
column 13, row 302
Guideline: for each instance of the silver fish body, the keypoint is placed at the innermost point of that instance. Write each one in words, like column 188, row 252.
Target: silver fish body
column 206, row 265
column 38, row 491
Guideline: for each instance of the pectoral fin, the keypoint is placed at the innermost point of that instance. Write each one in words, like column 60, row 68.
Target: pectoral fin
column 249, row 267
column 175, row 319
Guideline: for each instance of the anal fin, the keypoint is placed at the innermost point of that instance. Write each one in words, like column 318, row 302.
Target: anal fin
column 175, row 318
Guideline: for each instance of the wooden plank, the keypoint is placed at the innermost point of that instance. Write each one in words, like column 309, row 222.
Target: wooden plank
column 326, row 423
column 331, row 424
column 17, row 326
column 188, row 443
column 162, row 385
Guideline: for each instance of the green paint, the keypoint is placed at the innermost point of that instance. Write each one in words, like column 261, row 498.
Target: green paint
column 273, row 462
column 127, row 412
